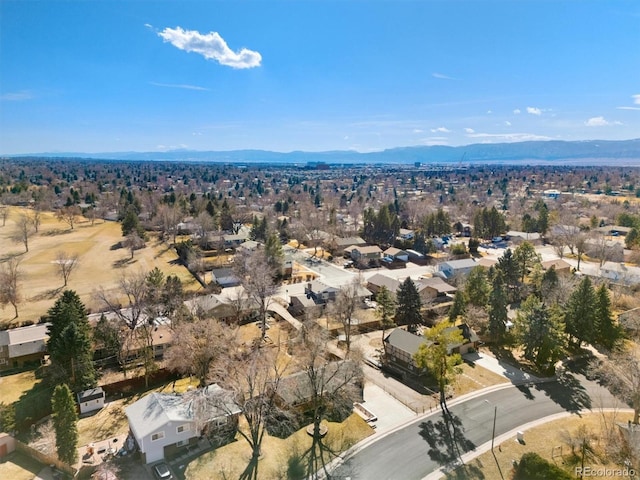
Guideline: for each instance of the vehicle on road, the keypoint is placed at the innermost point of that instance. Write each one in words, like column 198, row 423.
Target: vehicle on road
column 162, row 472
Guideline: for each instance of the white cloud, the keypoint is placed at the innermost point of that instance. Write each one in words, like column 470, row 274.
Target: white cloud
column 517, row 111
column 417, row 130
column 441, row 76
column 507, row 123
column 183, row 86
column 600, row 122
column 16, row 96
column 508, row 137
column 211, row 46
column 435, row 141
column 469, row 130
column 534, row 111
column 489, row 112
column 628, row 108
column 636, row 99
column 440, row 130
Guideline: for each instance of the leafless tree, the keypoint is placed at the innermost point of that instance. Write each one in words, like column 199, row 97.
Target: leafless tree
column 329, row 387
column 345, row 305
column 36, row 216
column 197, row 345
column 133, row 242
column 68, row 215
column 254, row 376
column 66, row 263
column 135, row 289
column 4, row 214
column 44, row 438
column 9, row 283
column 257, row 279
column 24, row 230
column 621, row 372
column 580, row 244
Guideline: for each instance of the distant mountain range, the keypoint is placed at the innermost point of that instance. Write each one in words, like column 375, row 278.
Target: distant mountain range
column 589, row 152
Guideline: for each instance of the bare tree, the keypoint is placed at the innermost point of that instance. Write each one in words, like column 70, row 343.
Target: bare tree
column 36, row 216
column 66, row 263
column 257, row 279
column 345, row 305
column 4, row 214
column 133, row 242
column 197, row 345
column 621, row 372
column 9, row 284
column 580, row 244
column 24, row 230
column 68, row 215
column 135, row 289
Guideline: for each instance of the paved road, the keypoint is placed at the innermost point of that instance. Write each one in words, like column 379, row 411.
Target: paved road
column 404, row 453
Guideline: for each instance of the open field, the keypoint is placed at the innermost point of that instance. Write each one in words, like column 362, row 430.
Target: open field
column 550, row 441
column 229, row 461
column 100, row 264
column 13, row 386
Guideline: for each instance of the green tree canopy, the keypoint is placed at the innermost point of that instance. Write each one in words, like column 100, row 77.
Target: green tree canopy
column 408, row 305
column 580, row 312
column 477, row 287
column 540, row 331
column 608, row 333
column 497, row 307
column 65, row 424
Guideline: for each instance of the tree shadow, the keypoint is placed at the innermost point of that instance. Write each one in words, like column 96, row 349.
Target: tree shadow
column 47, row 295
column 55, row 232
column 123, row 262
column 446, row 440
column 526, row 391
column 567, row 392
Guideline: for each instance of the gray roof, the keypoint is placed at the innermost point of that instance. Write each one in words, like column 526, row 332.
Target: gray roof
column 405, row 341
column 458, row 264
column 380, row 280
column 437, row 284
column 89, row 395
column 155, row 410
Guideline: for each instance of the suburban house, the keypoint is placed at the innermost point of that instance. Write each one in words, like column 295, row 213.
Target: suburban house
column 214, row 305
column 614, row 230
column 379, row 280
column 400, row 346
column 487, row 262
column 91, row 400
column 365, row 254
column 164, row 423
column 396, row 254
column 434, row 287
column 612, row 250
column 296, row 391
column 301, row 304
column 405, row 234
column 456, row 267
column 620, row 273
column 561, row 267
column 320, row 292
column 517, row 238
column 337, row 245
column 23, row 346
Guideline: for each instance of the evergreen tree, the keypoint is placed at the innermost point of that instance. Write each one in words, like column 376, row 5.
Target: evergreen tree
column 386, row 309
column 477, row 287
column 580, row 312
column 510, row 275
column 540, row 331
column 273, row 251
column 525, row 257
column 65, row 424
column 608, row 332
column 70, row 344
column 131, row 224
column 409, row 305
column 497, row 308
column 459, row 307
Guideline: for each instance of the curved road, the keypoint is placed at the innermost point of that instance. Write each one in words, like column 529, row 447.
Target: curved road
column 404, row 453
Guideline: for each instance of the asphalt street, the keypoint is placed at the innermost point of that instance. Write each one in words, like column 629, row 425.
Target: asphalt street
column 406, row 453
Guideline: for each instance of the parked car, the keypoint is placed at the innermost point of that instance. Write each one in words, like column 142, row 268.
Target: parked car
column 162, row 472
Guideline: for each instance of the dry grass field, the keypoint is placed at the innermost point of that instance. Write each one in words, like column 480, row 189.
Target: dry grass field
column 13, row 386
column 100, row 264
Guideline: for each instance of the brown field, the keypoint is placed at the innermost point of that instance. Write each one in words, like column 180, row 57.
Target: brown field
column 99, row 266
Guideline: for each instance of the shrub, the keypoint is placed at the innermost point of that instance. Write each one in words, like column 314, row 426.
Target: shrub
column 533, row 467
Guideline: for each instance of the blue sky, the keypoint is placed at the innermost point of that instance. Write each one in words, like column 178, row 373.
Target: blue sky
column 99, row 76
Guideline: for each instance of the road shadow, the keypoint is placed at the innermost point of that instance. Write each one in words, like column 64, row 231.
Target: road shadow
column 446, row 439
column 567, row 392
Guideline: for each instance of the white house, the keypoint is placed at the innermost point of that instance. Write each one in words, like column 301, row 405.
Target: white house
column 454, row 267
column 164, row 423
column 23, row 346
column 91, row 400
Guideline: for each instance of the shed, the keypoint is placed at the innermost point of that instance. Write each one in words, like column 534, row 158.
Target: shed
column 91, row 400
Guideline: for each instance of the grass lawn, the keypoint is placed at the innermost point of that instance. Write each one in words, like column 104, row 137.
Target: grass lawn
column 550, row 441
column 475, row 377
column 13, row 386
column 17, row 466
column 100, row 263
column 230, row 460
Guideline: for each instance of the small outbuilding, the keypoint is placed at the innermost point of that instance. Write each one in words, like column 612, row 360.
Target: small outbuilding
column 91, row 400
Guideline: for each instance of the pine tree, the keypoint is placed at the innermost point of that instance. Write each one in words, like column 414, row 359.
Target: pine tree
column 409, row 305
column 65, row 424
column 70, row 345
column 608, row 332
column 386, row 309
column 459, row 307
column 580, row 312
column 477, row 287
column 540, row 331
column 497, row 308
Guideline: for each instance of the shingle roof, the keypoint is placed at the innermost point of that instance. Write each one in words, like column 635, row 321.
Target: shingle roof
column 405, row 341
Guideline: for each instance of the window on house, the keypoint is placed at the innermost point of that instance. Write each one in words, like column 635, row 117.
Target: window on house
column 182, row 443
column 183, row 428
column 157, row 436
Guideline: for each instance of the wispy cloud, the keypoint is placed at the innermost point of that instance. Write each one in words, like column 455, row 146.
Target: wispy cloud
column 211, row 46
column 508, row 137
column 177, row 85
column 442, row 76
column 600, row 122
column 517, row 111
column 17, row 96
column 636, row 101
column 469, row 130
column 507, row 123
column 440, row 130
column 534, row 111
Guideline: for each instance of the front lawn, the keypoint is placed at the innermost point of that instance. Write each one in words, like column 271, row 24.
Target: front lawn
column 13, row 386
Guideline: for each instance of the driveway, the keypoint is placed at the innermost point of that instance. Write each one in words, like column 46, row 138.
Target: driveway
column 506, row 370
